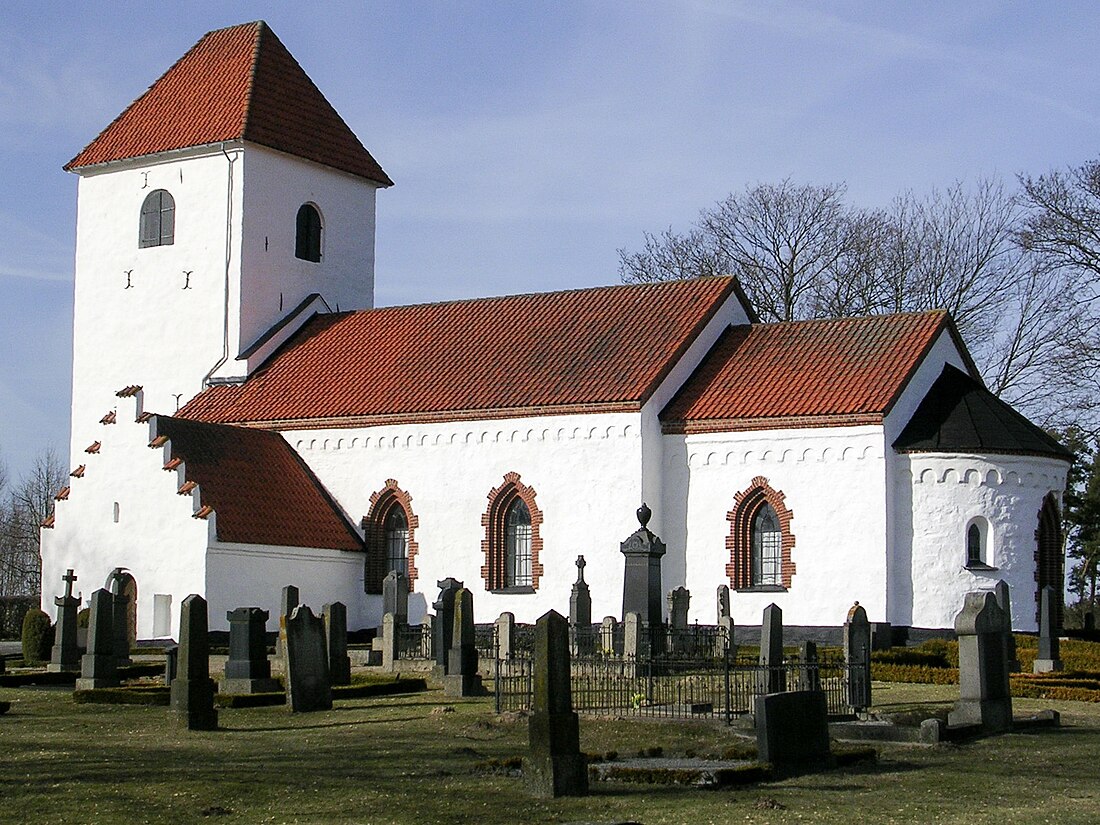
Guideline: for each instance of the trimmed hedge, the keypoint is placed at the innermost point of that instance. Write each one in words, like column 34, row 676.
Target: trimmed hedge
column 37, row 637
column 917, row 674
column 12, row 611
column 151, row 695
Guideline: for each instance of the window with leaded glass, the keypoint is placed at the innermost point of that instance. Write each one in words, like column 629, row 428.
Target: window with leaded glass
column 974, row 545
column 767, row 548
column 517, row 545
column 396, row 536
column 307, row 243
column 158, row 220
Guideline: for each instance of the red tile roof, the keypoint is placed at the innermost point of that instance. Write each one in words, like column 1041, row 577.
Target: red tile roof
column 239, row 83
column 607, row 347
column 846, row 370
column 262, row 492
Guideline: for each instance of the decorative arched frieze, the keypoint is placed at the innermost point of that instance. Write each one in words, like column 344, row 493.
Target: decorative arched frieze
column 382, row 503
column 746, row 505
column 493, row 545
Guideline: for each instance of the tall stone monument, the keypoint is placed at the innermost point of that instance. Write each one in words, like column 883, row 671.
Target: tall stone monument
column 1004, row 600
column 287, row 602
column 462, row 678
column 443, row 626
column 556, row 766
column 580, row 614
column 99, row 667
column 772, row 677
column 192, row 691
column 984, row 697
column 65, row 654
column 336, row 638
column 248, row 670
column 642, row 588
column 857, row 658
column 307, row 676
column 1049, row 658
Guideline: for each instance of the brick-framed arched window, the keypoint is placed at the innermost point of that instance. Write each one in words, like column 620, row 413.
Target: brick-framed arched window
column 390, row 528
column 760, row 538
column 512, row 544
column 1049, row 554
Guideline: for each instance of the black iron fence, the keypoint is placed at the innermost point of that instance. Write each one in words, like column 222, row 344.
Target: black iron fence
column 414, row 642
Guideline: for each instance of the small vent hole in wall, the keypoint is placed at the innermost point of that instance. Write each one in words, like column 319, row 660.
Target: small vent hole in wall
column 116, row 512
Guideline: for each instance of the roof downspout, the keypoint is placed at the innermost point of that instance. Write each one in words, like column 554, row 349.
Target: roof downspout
column 228, row 259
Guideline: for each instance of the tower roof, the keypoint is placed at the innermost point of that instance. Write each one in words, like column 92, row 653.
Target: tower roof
column 238, row 83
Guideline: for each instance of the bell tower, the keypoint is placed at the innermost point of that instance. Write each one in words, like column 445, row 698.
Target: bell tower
column 215, row 215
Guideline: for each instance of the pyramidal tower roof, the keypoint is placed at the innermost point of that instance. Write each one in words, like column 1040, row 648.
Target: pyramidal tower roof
column 238, row 83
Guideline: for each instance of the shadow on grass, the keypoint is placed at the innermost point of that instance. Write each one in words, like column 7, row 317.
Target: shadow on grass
column 360, row 724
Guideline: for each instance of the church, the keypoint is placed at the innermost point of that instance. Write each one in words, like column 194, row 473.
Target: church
column 244, row 418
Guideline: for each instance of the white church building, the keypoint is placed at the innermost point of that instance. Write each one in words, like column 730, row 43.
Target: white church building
column 244, row 419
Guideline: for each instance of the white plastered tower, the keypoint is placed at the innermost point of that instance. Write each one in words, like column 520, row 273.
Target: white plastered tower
column 241, row 140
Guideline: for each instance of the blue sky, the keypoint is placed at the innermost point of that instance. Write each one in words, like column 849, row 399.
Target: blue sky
column 530, row 141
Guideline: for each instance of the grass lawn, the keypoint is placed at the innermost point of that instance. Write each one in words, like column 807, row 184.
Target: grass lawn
column 404, row 759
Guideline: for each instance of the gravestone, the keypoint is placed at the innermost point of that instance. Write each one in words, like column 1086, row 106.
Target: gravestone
column 505, row 636
column 984, row 697
column 772, row 676
column 809, row 670
column 882, row 636
column 607, row 635
column 580, row 612
column 120, row 620
column 725, row 642
column 390, row 639
column 792, row 728
column 1049, row 658
column 633, row 641
column 462, row 678
column 336, row 640
column 171, row 663
column 556, row 766
column 642, row 577
column 857, row 658
column 679, row 602
column 288, row 600
column 395, row 596
column 192, row 691
column 99, row 666
column 247, row 670
column 443, row 627
column 65, row 655
column 307, row 678
column 1004, row 601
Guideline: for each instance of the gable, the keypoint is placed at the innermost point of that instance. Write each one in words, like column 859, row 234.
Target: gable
column 591, row 350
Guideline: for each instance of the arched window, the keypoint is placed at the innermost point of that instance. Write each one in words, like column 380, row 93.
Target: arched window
column 307, row 242
column 512, row 543
column 974, row 554
column 760, row 539
column 390, row 528
column 158, row 220
column 1048, row 553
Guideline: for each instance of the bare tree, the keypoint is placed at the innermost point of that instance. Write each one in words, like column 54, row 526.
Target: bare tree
column 22, row 512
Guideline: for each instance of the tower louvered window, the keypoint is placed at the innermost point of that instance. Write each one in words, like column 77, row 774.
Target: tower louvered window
column 158, row 220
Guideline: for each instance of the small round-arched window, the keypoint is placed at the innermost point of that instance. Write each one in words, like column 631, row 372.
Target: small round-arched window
column 158, row 220
column 307, row 239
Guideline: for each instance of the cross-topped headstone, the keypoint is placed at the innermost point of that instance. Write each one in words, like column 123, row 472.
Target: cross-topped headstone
column 69, row 578
column 65, row 654
column 580, row 612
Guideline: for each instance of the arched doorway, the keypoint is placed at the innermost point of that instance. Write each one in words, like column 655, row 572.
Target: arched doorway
column 121, row 582
column 1049, row 554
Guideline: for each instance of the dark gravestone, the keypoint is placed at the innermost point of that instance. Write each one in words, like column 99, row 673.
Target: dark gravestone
column 462, row 678
column 395, row 596
column 792, row 728
column 443, row 626
column 307, row 679
column 679, row 602
column 171, row 664
column 99, row 667
column 642, row 578
column 287, row 602
column 809, row 670
column 857, row 658
column 192, row 691
column 1004, row 601
column 725, row 641
column 1049, row 658
column 336, row 637
column 120, row 620
column 772, row 677
column 580, row 599
column 247, row 670
column 65, row 655
column 556, row 766
column 984, row 697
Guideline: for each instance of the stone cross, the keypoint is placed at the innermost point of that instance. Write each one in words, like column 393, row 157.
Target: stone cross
column 984, row 697
column 1004, row 601
column 65, row 655
column 98, row 667
column 857, row 658
column 462, row 678
column 556, row 766
column 192, row 691
column 772, row 678
column 642, row 588
column 307, row 678
column 336, row 638
column 443, row 626
column 1049, row 658
column 248, row 670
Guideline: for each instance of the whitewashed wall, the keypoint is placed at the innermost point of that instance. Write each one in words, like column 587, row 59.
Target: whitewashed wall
column 938, row 495
column 155, row 536
column 833, row 482
column 585, row 470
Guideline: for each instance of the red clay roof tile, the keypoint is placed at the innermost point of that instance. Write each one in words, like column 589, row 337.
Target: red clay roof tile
column 238, row 83
column 261, row 490
column 847, row 367
column 548, row 352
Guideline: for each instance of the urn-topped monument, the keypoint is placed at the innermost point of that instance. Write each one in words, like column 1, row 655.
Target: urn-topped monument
column 642, row 589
